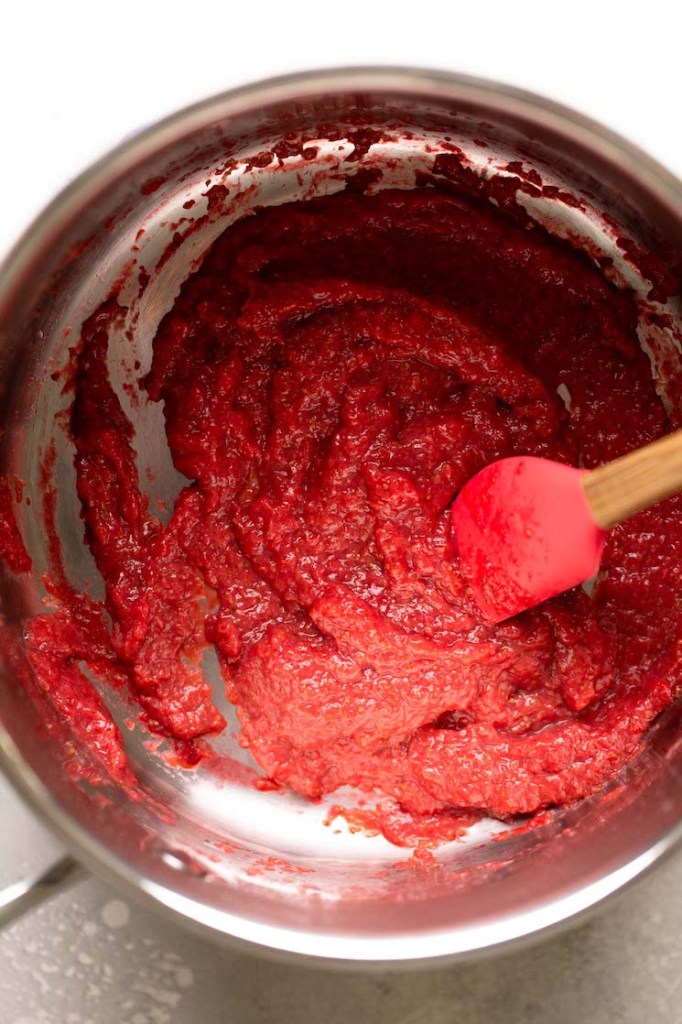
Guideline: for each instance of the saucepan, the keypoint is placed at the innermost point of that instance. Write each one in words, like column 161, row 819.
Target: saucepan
column 236, row 863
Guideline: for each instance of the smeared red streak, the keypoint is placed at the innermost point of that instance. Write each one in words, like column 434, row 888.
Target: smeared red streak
column 157, row 640
column 422, row 860
column 94, row 754
column 527, row 173
column 664, row 282
column 400, row 827
column 58, row 645
column 152, row 185
column 143, row 279
column 362, row 140
column 277, row 865
column 562, row 196
column 217, row 197
column 12, row 550
column 263, row 159
column 58, row 580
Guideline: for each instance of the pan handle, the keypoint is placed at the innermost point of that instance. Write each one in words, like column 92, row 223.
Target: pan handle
column 19, row 897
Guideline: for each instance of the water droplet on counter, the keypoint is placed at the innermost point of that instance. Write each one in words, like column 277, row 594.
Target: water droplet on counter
column 115, row 914
column 184, row 977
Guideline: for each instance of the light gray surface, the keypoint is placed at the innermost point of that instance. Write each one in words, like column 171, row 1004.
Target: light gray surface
column 88, row 957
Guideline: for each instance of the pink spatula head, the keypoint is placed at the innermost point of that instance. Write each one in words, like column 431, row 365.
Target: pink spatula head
column 528, row 528
column 525, row 531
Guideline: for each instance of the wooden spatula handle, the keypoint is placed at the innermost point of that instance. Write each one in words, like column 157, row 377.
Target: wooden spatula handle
column 635, row 481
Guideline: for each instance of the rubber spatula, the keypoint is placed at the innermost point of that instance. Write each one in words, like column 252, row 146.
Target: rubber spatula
column 529, row 528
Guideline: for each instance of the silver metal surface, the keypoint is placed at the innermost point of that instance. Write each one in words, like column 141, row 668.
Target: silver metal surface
column 352, row 903
column 20, row 897
column 89, row 957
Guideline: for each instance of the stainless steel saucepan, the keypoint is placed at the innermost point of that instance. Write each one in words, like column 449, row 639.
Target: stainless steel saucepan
column 233, row 862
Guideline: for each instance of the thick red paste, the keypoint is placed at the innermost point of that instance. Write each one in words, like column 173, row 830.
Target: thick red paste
column 332, row 375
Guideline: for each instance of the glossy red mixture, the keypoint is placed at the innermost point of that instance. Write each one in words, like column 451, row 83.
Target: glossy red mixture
column 332, row 375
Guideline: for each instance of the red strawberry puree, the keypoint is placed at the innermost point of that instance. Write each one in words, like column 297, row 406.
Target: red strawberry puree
column 332, row 375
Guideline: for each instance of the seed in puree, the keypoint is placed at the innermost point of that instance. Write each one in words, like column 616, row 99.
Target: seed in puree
column 331, row 376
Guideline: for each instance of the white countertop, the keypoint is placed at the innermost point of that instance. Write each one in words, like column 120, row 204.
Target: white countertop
column 74, row 79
